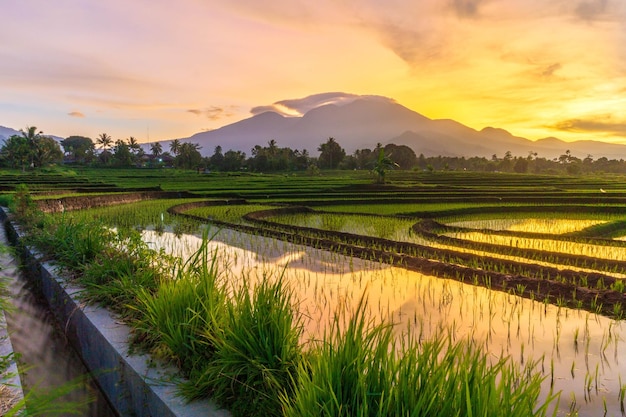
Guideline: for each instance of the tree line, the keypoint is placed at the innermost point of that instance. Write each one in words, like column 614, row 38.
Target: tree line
column 32, row 149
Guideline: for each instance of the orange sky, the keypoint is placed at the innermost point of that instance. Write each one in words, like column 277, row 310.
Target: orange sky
column 157, row 69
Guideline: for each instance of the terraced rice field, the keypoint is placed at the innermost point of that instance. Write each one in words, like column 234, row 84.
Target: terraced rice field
column 530, row 267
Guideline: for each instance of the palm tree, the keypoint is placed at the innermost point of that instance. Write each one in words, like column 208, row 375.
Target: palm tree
column 331, row 154
column 272, row 149
column 175, row 147
column 16, row 152
column 105, row 141
column 133, row 145
column 188, row 155
column 33, row 138
column 156, row 149
column 383, row 163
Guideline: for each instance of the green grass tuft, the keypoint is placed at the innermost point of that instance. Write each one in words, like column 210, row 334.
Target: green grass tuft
column 257, row 351
column 182, row 311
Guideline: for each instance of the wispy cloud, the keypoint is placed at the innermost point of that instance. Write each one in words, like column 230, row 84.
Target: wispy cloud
column 591, row 9
column 212, row 113
column 411, row 44
column 605, row 124
column 76, row 114
column 549, row 70
column 466, row 8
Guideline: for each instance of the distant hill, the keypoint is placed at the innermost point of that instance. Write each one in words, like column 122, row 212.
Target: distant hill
column 7, row 132
column 366, row 121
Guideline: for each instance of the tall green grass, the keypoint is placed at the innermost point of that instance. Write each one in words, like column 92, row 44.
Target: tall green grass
column 240, row 348
column 111, row 265
column 257, row 351
column 182, row 311
column 74, row 244
column 359, row 370
column 348, row 374
column 127, row 266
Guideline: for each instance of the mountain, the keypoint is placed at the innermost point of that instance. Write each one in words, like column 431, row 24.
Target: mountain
column 361, row 123
column 7, row 132
column 243, row 135
column 368, row 120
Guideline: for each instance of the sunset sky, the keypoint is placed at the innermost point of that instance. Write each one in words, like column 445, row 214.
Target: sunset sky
column 158, row 69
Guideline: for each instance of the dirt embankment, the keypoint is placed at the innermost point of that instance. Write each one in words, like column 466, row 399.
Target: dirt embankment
column 56, row 205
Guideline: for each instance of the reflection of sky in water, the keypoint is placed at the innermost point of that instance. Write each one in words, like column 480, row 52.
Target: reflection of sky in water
column 577, row 345
column 554, row 226
column 569, row 248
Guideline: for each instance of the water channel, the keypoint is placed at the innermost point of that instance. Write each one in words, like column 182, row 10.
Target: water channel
column 48, row 366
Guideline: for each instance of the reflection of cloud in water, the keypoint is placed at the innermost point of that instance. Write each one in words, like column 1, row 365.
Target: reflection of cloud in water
column 258, row 249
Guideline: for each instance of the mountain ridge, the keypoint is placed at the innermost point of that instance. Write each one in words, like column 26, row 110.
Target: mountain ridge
column 360, row 122
column 366, row 121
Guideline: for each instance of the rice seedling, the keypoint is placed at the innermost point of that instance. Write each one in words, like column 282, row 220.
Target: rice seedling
column 546, row 245
column 552, row 225
column 621, row 394
column 140, row 215
column 377, row 226
column 573, row 408
column 619, row 286
column 230, row 213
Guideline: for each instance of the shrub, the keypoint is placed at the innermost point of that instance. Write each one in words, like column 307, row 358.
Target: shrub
column 24, row 207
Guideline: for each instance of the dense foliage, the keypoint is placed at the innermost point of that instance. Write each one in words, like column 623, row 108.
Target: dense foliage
column 30, row 149
column 34, row 150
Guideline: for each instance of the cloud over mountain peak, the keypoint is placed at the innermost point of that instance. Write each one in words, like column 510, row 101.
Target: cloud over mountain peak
column 299, row 106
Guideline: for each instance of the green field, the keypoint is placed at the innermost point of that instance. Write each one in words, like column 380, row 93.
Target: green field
column 551, row 240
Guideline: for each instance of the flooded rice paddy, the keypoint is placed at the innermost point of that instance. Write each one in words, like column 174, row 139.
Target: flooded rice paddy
column 578, row 352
